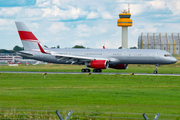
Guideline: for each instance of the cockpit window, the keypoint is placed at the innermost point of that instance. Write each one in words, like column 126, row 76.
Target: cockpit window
column 167, row 55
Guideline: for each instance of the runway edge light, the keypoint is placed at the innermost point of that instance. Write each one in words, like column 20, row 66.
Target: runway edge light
column 124, row 21
column 44, row 74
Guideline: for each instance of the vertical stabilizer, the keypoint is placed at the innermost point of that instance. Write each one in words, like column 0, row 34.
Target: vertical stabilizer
column 28, row 39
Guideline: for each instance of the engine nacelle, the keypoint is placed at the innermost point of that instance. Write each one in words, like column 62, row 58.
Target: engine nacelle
column 119, row 66
column 99, row 64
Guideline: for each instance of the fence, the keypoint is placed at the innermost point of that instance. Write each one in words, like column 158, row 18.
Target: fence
column 79, row 115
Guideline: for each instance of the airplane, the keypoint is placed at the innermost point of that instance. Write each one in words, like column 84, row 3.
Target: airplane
column 92, row 58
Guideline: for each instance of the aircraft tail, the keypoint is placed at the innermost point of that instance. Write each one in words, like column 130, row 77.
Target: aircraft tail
column 28, row 39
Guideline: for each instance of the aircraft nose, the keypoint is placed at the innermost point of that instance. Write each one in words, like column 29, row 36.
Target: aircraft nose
column 174, row 60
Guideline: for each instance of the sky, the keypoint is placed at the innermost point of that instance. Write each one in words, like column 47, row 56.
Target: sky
column 91, row 23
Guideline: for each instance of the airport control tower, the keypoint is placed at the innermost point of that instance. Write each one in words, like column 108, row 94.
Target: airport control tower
column 124, row 21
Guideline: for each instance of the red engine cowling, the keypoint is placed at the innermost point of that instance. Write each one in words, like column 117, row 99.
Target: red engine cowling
column 119, row 66
column 99, row 64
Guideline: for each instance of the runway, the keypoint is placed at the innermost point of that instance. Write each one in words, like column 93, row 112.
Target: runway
column 91, row 73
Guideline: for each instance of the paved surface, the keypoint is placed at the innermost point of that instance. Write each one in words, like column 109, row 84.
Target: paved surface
column 85, row 73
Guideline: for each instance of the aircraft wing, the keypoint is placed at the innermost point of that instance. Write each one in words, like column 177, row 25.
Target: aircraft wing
column 75, row 59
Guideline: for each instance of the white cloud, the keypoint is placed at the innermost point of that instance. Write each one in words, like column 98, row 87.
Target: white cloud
column 10, row 11
column 92, row 15
column 4, row 22
column 35, row 25
column 106, row 15
column 116, row 34
column 157, row 4
column 135, row 9
column 152, row 14
column 110, row 43
column 99, row 29
column 83, row 30
column 173, row 5
column 47, row 12
column 29, row 12
column 148, row 27
column 58, row 26
column 43, row 3
column 43, row 40
column 78, row 42
column 174, row 27
column 127, row 1
column 71, row 13
column 62, row 3
column 76, row 12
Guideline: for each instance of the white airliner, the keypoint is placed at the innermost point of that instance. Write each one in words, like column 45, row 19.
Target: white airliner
column 92, row 58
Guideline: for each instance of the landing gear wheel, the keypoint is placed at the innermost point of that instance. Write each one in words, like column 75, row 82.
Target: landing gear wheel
column 156, row 68
column 85, row 70
column 88, row 70
column 97, row 70
column 82, row 70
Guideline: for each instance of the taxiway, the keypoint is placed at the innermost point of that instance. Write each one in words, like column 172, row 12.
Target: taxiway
column 86, row 73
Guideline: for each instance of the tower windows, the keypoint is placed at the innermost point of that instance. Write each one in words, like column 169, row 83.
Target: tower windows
column 124, row 16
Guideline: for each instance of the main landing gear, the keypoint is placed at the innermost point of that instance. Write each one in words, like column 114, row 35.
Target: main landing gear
column 97, row 70
column 85, row 70
column 156, row 68
column 88, row 70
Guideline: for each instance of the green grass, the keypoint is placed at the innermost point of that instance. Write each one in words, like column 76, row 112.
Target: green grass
column 132, row 68
column 171, row 69
column 106, row 95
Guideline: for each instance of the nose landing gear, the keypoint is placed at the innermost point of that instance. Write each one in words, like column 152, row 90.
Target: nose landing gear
column 156, row 68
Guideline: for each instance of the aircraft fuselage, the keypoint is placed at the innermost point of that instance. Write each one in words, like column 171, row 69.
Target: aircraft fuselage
column 115, row 56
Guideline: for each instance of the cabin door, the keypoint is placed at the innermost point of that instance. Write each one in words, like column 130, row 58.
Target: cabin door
column 124, row 54
column 157, row 55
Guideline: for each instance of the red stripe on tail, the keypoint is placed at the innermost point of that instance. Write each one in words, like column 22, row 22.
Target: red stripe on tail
column 25, row 35
column 41, row 49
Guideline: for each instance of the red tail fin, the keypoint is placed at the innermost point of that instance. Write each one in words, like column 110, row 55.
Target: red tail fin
column 28, row 39
column 26, row 35
column 41, row 49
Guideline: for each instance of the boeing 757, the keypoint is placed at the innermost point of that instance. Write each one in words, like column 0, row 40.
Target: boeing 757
column 92, row 58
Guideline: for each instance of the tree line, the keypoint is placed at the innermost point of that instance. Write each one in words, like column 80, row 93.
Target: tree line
column 18, row 48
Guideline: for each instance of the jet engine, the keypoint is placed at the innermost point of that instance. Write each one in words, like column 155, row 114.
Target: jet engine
column 119, row 66
column 99, row 64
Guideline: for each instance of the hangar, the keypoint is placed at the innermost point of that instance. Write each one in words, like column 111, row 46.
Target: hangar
column 169, row 42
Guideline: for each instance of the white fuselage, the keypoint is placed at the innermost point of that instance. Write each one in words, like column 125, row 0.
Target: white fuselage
column 115, row 56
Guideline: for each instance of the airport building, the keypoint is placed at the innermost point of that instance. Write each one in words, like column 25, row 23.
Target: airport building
column 166, row 41
column 13, row 58
column 9, row 58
